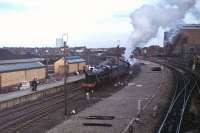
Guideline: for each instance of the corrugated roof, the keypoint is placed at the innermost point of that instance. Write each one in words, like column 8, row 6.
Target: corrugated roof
column 20, row 66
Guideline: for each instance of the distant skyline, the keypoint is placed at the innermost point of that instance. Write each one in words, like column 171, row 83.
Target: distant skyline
column 91, row 23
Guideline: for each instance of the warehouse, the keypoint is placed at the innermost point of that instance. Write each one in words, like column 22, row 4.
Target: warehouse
column 73, row 63
column 13, row 72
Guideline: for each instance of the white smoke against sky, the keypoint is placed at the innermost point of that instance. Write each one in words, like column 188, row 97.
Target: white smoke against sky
column 148, row 20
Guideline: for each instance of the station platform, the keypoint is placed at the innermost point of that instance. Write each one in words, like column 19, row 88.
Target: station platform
column 135, row 107
column 21, row 93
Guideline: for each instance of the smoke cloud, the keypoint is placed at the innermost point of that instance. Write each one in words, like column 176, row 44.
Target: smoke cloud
column 148, row 19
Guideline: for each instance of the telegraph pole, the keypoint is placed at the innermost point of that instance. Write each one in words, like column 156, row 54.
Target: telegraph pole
column 46, row 51
column 118, row 56
column 65, row 39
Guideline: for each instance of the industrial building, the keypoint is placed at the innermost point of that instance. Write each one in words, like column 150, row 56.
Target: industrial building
column 183, row 41
column 13, row 72
column 74, row 64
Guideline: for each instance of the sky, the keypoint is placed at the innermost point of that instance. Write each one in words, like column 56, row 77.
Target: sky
column 91, row 23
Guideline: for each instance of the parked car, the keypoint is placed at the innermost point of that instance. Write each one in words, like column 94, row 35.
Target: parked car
column 156, row 69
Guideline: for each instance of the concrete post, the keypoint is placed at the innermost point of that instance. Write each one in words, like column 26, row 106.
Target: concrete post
column 139, row 108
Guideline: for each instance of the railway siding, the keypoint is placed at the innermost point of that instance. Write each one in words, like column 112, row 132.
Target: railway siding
column 20, row 97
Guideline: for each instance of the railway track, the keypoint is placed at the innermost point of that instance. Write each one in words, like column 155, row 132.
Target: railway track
column 185, row 83
column 23, row 116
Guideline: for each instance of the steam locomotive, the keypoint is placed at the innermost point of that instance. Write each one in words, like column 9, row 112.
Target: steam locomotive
column 105, row 72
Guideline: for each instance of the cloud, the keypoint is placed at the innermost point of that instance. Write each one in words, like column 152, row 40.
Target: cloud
column 44, row 20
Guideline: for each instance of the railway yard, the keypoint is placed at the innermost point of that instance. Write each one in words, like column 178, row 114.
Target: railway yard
column 47, row 111
column 135, row 108
column 158, row 95
column 159, row 92
column 100, row 66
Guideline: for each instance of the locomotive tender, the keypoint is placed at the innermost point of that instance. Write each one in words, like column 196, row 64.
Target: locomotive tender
column 107, row 71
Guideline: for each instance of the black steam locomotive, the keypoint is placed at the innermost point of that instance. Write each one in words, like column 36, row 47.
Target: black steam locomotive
column 105, row 72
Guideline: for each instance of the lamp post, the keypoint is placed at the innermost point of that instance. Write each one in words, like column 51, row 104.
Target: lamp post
column 65, row 39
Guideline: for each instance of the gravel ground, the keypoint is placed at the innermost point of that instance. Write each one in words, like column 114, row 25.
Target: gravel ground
column 151, row 116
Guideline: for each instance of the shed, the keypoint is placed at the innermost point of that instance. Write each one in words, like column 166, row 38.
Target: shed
column 13, row 72
column 73, row 63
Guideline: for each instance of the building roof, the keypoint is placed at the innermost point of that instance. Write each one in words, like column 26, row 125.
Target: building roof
column 3, row 62
column 74, row 59
column 191, row 26
column 7, row 54
column 20, row 66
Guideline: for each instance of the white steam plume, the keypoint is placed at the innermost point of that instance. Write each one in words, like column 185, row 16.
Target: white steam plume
column 148, row 19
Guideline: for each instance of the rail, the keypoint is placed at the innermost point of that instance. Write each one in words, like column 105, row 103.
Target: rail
column 22, row 117
column 186, row 82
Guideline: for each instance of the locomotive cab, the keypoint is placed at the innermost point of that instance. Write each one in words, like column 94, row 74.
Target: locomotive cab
column 89, row 83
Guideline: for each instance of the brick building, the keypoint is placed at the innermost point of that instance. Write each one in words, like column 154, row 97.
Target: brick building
column 13, row 72
column 73, row 63
column 155, row 50
column 186, row 41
